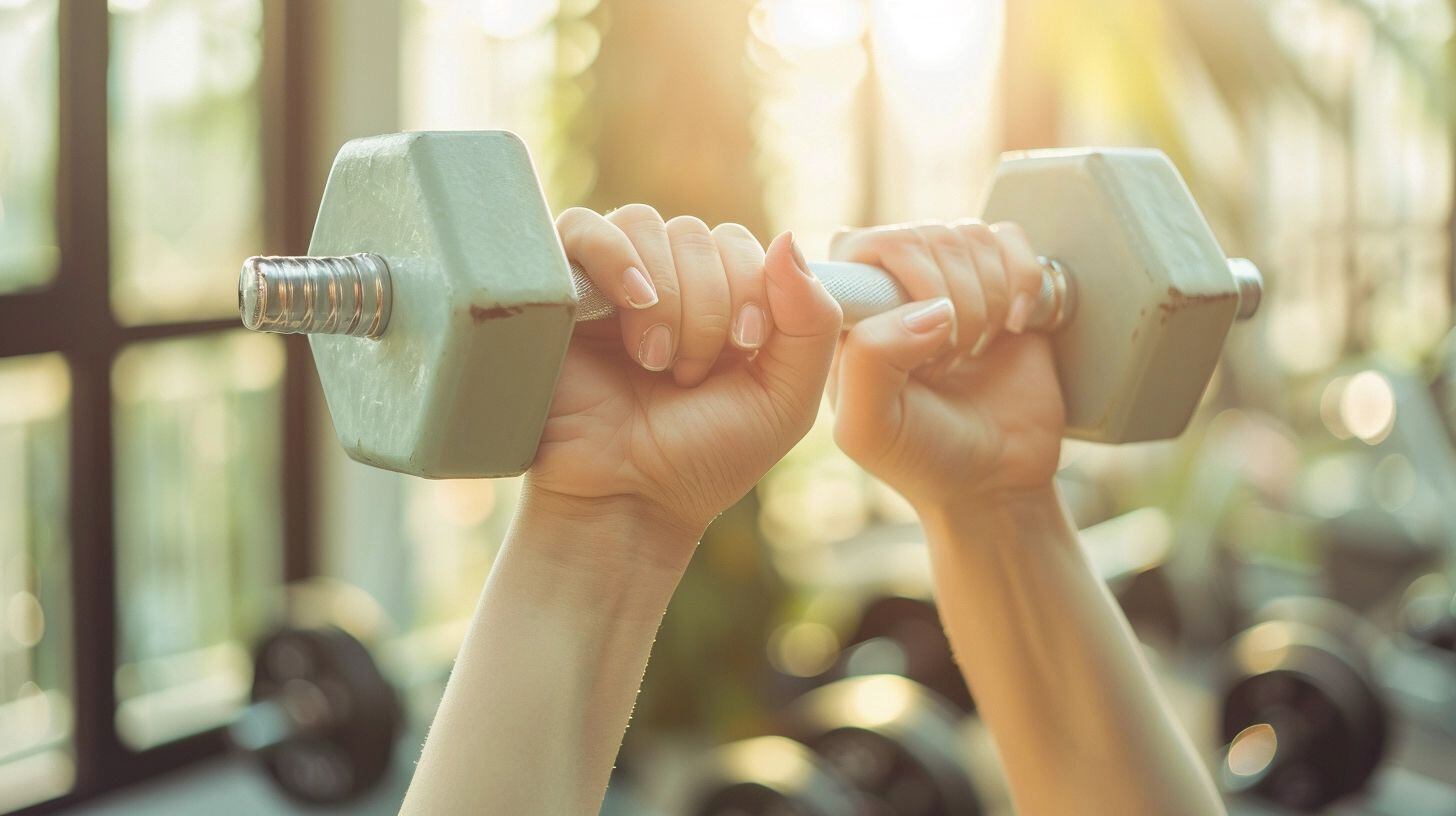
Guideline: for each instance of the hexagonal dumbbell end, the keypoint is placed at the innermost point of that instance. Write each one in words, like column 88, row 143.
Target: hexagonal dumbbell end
column 476, row 298
column 1155, row 293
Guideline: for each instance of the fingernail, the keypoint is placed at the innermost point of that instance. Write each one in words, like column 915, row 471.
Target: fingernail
column 655, row 352
column 799, row 257
column 640, row 291
column 748, row 329
column 1019, row 313
column 980, row 346
column 934, row 315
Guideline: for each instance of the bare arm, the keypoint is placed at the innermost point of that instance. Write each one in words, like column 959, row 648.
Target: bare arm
column 545, row 682
column 1057, row 674
column 950, row 404
column 727, row 348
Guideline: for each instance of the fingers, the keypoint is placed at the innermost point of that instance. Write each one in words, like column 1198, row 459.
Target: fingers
column 953, row 254
column 742, row 258
column 651, row 334
column 874, row 364
column 794, row 362
column 683, row 292
column 1023, row 274
column 982, row 269
column 705, row 299
column 985, row 252
column 900, row 250
column 607, row 256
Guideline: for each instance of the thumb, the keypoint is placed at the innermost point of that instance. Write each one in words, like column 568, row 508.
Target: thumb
column 795, row 361
column 875, row 362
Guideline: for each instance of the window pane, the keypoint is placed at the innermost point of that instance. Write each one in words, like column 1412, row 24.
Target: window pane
column 198, row 531
column 185, row 158
column 28, row 252
column 35, row 597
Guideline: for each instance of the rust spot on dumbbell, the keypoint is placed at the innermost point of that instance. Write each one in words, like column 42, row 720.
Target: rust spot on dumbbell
column 1179, row 300
column 480, row 314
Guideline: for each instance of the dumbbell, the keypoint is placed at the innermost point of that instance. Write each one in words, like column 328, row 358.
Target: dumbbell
column 1304, row 716
column 772, row 776
column 1428, row 614
column 439, row 302
column 898, row 634
column 323, row 720
column 878, row 745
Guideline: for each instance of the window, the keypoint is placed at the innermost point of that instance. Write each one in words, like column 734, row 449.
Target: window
column 148, row 512
column 28, row 254
column 36, row 689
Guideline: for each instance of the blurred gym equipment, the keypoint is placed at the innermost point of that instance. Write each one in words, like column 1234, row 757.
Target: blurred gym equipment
column 877, row 745
column 323, row 720
column 439, row 302
column 772, row 776
column 901, row 635
column 1303, row 717
column 894, row 739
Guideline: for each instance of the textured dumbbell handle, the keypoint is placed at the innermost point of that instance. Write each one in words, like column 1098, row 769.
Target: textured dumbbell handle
column 864, row 291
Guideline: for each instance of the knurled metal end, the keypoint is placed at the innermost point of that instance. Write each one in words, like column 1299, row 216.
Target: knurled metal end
column 350, row 295
column 1058, row 299
column 1250, row 283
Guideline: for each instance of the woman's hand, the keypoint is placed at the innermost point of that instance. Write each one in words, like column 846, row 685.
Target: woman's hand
column 714, row 369
column 946, row 398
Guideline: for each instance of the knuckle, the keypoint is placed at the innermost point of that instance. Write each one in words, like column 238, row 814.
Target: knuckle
column 737, row 236
column 636, row 215
column 977, row 232
column 686, row 224
column 578, row 223
column 575, row 215
column 946, row 241
column 896, row 239
column 1008, row 228
column 698, row 243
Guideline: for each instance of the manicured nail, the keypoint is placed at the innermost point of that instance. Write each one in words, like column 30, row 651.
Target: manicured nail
column 655, row 352
column 932, row 316
column 640, row 291
column 799, row 257
column 1019, row 313
column 980, row 346
column 749, row 328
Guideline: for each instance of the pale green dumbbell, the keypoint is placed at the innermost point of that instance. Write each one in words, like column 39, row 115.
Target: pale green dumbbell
column 440, row 304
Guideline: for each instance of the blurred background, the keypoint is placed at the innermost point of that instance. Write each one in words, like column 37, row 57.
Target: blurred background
column 171, row 492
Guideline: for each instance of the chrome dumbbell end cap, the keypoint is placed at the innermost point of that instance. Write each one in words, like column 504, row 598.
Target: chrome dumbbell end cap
column 350, row 295
column 1250, row 284
column 252, row 293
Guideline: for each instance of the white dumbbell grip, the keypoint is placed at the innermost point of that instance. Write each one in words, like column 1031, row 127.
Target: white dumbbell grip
column 862, row 291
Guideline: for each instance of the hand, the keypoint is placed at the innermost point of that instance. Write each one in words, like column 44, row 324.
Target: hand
column 947, row 399
column 727, row 350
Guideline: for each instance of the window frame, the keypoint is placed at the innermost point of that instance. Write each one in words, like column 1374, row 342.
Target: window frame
column 72, row 315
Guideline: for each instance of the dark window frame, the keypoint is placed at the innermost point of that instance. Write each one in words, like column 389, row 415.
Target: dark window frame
column 72, row 315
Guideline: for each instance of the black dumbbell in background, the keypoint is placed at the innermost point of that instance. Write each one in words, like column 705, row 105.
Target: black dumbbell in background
column 879, row 745
column 1303, row 715
column 902, row 635
column 323, row 720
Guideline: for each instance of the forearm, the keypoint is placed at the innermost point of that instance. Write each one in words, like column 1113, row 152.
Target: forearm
column 541, row 693
column 1057, row 674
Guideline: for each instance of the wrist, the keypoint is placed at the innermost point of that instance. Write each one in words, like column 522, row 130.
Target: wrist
column 609, row 535
column 1000, row 515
